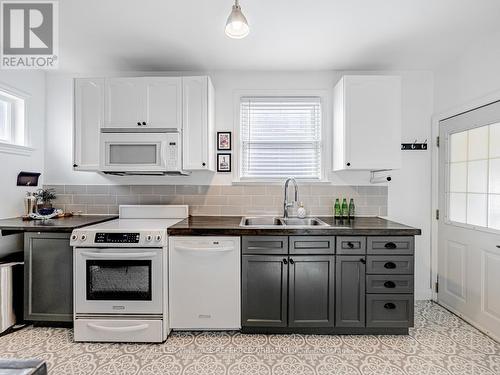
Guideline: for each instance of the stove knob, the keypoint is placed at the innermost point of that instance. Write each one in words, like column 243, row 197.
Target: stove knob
column 83, row 237
column 149, row 238
column 74, row 237
column 158, row 237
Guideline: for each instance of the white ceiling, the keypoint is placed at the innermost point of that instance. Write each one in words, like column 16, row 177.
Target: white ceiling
column 284, row 34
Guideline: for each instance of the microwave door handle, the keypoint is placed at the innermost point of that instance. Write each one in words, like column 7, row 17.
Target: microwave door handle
column 207, row 249
column 139, row 327
column 118, row 255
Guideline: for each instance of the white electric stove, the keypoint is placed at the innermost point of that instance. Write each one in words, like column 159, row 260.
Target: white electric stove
column 120, row 276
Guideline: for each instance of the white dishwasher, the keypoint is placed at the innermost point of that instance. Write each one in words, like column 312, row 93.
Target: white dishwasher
column 204, row 283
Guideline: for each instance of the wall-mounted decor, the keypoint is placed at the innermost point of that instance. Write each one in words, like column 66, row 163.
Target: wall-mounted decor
column 223, row 162
column 223, row 141
column 27, row 178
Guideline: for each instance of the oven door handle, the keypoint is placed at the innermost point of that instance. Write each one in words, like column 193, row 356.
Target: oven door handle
column 207, row 249
column 118, row 255
column 139, row 327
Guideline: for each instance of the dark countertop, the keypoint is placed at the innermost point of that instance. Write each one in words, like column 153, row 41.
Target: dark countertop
column 64, row 224
column 230, row 226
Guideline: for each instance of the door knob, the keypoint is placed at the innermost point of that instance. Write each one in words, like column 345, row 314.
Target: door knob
column 390, row 265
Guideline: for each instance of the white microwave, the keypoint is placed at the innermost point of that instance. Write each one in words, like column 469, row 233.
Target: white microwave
column 146, row 153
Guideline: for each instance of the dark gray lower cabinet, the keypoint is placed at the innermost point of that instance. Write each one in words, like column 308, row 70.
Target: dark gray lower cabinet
column 264, row 282
column 48, row 278
column 350, row 291
column 311, row 291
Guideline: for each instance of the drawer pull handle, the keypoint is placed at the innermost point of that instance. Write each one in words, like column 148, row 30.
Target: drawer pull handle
column 350, row 245
column 285, row 261
column 389, row 284
column 389, row 306
column 390, row 265
column 390, row 245
column 362, row 260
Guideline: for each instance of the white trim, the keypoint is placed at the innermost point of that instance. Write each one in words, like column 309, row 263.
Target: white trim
column 325, row 96
column 436, row 118
column 10, row 148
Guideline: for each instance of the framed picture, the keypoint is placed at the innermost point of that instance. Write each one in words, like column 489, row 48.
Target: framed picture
column 223, row 141
column 223, row 162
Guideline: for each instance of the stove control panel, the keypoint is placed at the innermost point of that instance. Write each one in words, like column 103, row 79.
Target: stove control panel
column 117, row 238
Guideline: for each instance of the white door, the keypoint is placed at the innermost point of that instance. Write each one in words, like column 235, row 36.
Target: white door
column 469, row 227
column 125, row 103
column 89, row 118
column 163, row 102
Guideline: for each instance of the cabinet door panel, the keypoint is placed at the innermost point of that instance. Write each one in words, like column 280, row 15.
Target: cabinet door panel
column 163, row 102
column 124, row 102
column 311, row 291
column 264, row 288
column 89, row 118
column 350, row 291
column 48, row 294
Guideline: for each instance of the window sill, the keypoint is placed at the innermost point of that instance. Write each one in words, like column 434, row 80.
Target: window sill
column 9, row 148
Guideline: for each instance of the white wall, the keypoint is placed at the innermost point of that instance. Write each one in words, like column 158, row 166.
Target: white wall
column 33, row 84
column 409, row 192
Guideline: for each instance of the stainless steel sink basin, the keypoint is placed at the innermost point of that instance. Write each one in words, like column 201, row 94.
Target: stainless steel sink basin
column 261, row 221
column 273, row 222
column 306, row 222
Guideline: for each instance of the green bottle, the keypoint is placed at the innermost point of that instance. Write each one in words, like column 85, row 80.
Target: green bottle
column 345, row 208
column 336, row 208
column 352, row 208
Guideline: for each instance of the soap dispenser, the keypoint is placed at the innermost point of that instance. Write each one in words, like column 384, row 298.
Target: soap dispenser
column 301, row 211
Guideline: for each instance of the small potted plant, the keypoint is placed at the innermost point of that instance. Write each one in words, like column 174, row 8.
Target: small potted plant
column 44, row 201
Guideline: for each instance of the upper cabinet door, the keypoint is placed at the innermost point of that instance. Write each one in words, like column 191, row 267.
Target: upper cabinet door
column 88, row 120
column 163, row 102
column 367, row 123
column 125, row 100
column 198, row 123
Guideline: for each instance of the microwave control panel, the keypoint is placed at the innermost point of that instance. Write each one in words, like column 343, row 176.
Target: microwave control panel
column 173, row 152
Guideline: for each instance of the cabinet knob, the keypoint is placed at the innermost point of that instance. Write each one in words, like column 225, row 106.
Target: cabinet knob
column 285, row 261
column 390, row 265
column 389, row 306
column 75, row 165
column 291, row 261
column 203, row 164
column 390, row 245
column 138, row 124
column 350, row 245
column 144, row 123
column 348, row 164
column 390, row 284
column 362, row 260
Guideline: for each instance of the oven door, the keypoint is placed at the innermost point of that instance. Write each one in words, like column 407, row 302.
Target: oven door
column 119, row 281
column 140, row 152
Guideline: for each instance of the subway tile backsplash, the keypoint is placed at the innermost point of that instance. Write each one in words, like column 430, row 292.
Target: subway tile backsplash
column 218, row 199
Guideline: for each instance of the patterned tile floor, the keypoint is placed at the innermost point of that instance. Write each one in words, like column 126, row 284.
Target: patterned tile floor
column 440, row 343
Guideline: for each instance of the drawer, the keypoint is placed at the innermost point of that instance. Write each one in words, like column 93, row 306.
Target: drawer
column 312, row 245
column 391, row 245
column 389, row 310
column 351, row 245
column 264, row 245
column 106, row 330
column 389, row 284
column 389, row 265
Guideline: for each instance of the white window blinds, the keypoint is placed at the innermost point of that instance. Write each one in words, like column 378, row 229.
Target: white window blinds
column 280, row 137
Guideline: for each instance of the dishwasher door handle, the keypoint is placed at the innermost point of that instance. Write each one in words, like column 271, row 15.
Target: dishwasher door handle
column 208, row 249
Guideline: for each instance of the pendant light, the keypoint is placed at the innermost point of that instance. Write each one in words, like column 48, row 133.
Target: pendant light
column 237, row 25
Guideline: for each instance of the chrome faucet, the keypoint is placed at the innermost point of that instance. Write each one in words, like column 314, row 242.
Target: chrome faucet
column 286, row 203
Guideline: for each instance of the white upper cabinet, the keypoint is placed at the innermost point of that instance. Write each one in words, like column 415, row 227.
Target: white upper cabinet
column 89, row 117
column 145, row 102
column 367, row 123
column 198, row 123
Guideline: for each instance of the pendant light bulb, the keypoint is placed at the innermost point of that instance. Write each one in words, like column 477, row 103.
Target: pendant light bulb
column 237, row 25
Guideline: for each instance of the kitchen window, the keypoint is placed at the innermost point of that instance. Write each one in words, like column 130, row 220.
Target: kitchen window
column 12, row 119
column 280, row 137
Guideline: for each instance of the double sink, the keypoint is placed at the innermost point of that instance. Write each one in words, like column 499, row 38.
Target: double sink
column 273, row 222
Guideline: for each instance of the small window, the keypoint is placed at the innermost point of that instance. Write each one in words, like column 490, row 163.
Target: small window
column 12, row 119
column 280, row 137
column 474, row 177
